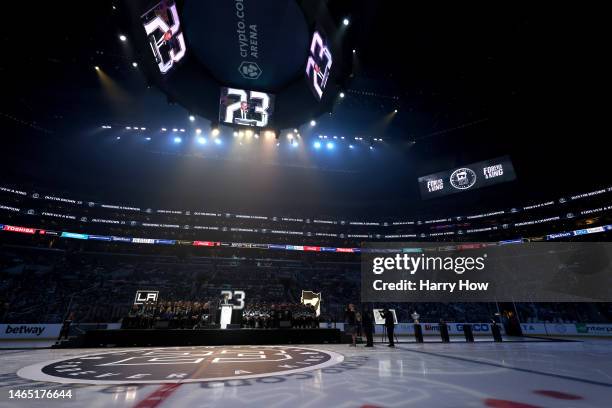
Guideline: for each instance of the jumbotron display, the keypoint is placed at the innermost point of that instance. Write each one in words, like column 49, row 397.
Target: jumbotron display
column 286, row 48
column 319, row 64
column 163, row 28
column 245, row 108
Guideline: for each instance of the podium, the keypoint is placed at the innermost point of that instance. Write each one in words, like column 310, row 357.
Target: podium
column 226, row 315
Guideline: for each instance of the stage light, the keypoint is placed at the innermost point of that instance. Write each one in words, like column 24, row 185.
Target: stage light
column 218, row 141
column 182, row 130
column 313, row 122
column 335, row 137
column 143, row 128
column 201, row 140
column 122, row 37
column 235, row 134
column 320, row 136
column 215, row 132
column 330, row 145
column 135, row 64
column 164, row 129
column 342, row 137
column 345, row 21
column 354, row 50
column 295, row 131
column 351, row 147
column 177, row 140
column 277, row 144
column 198, row 131
column 175, row 130
column 97, row 68
column 395, row 111
column 371, row 147
column 256, row 136
column 148, row 139
column 317, row 145
column 118, row 137
column 191, row 118
column 289, row 136
column 342, row 94
column 128, row 128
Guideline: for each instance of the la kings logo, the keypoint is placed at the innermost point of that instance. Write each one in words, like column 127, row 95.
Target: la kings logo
column 463, row 178
column 181, row 364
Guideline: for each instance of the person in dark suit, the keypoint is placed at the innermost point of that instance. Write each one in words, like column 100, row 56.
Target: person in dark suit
column 389, row 324
column 367, row 321
column 350, row 323
column 65, row 330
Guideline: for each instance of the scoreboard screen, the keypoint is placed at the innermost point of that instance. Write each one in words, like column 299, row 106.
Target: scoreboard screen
column 276, row 63
column 166, row 40
column 470, row 177
column 245, row 108
column 318, row 65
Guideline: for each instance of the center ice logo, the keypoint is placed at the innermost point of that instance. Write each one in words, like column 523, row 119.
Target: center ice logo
column 181, row 364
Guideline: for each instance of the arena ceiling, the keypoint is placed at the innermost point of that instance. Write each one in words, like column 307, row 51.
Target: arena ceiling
column 469, row 84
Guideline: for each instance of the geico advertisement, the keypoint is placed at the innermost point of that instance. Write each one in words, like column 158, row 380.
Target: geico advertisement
column 486, row 272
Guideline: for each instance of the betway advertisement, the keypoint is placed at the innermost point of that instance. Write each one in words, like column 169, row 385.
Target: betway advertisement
column 33, row 331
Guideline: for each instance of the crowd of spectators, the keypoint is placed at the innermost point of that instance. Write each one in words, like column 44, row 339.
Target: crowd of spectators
column 266, row 315
column 168, row 315
column 44, row 285
column 199, row 315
